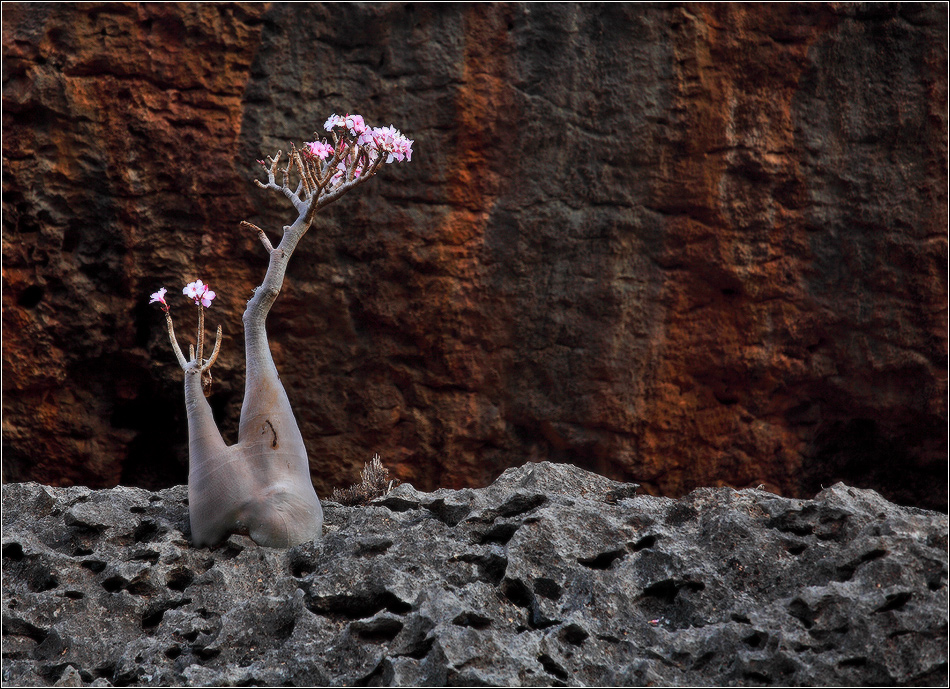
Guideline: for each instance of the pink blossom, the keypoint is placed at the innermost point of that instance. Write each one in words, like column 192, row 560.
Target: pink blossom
column 334, row 120
column 199, row 292
column 390, row 140
column 194, row 289
column 366, row 138
column 159, row 297
column 207, row 297
column 318, row 149
column 355, row 124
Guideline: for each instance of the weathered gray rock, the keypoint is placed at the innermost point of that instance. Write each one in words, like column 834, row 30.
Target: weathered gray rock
column 549, row 576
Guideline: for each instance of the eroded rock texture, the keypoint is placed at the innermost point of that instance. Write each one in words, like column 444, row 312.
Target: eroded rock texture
column 694, row 245
column 550, row 576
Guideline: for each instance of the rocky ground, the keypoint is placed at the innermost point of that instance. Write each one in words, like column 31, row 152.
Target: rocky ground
column 549, row 576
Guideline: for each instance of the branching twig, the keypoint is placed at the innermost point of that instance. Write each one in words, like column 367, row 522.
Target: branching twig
column 214, row 352
column 201, row 334
column 174, row 341
column 260, row 234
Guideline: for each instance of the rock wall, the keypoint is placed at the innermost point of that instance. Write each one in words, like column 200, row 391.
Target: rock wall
column 551, row 576
column 683, row 245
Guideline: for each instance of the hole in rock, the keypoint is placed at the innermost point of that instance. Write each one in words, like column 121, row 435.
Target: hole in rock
column 853, row 662
column 845, row 572
column 40, row 580
column 421, row 650
column 754, row 640
column 81, row 529
column 574, row 634
column 179, row 579
column 207, row 653
column 149, row 556
column 24, row 628
column 358, row 606
column 895, row 601
column 377, row 631
column 473, row 620
column 301, row 567
column 517, row 593
column 491, row 567
column 140, row 587
column 703, row 660
column 372, row 548
column 31, row 297
column 94, row 566
column 547, row 587
column 82, row 552
column 105, row 672
column 146, row 532
column 520, row 504
column 552, row 668
column 680, row 514
column 643, row 543
column 799, row 609
column 759, row 677
column 114, row 584
column 499, row 533
column 450, row 515
column 74, row 595
column 667, row 589
column 796, row 548
column 230, row 551
column 603, row 560
column 12, row 551
column 173, row 652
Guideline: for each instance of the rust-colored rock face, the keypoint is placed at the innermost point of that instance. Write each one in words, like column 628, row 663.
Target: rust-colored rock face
column 685, row 246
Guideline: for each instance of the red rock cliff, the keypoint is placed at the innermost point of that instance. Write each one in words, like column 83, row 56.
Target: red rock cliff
column 683, row 245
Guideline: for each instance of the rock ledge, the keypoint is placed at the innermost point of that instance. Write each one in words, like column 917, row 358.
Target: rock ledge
column 549, row 576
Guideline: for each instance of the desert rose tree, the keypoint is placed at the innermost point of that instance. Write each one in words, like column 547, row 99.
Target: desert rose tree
column 262, row 485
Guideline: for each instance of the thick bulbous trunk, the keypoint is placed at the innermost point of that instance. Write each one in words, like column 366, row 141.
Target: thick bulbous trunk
column 262, row 484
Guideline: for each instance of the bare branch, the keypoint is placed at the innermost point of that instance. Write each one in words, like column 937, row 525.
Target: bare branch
column 284, row 187
column 214, row 352
column 201, row 333
column 260, row 234
column 174, row 341
column 298, row 161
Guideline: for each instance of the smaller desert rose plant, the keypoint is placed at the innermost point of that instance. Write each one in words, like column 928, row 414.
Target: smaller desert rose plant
column 261, row 485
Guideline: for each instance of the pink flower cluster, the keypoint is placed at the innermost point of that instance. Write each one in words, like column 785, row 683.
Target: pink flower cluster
column 196, row 290
column 390, row 140
column 199, row 292
column 377, row 140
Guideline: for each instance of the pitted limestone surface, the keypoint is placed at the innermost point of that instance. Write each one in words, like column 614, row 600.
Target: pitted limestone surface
column 549, row 576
